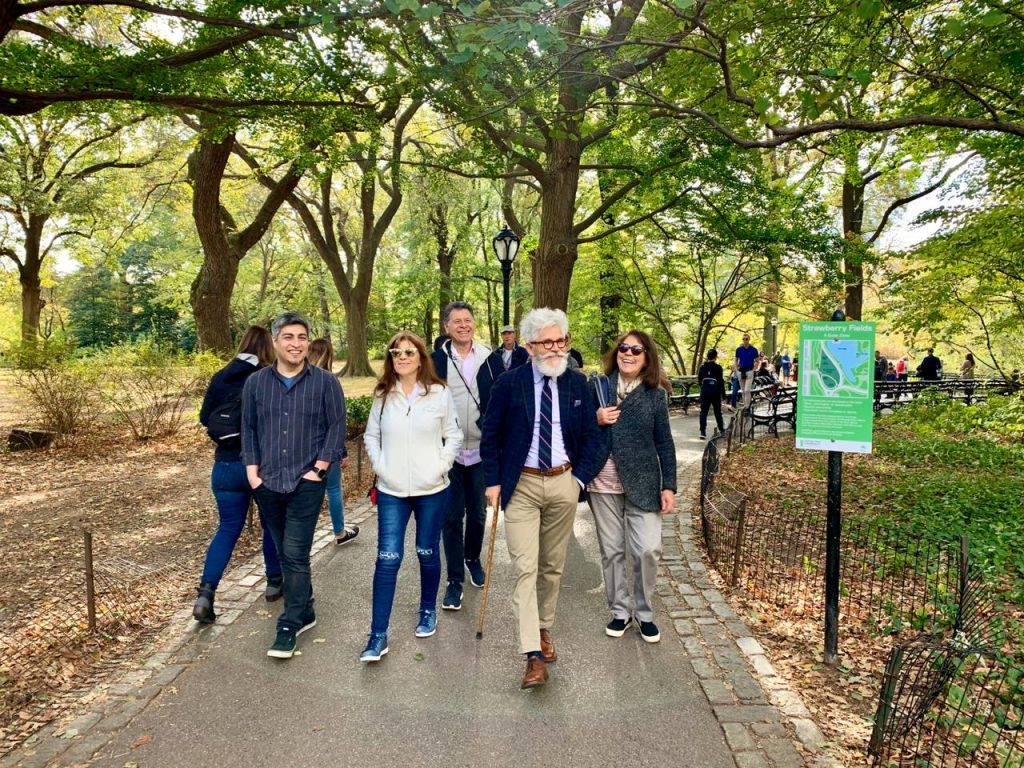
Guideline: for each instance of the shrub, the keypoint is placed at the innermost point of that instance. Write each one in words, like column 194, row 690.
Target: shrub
column 357, row 411
column 149, row 389
column 64, row 396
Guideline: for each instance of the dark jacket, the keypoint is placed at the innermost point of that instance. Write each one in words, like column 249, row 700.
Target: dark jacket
column 641, row 444
column 226, row 385
column 519, row 357
column 929, row 368
column 488, row 371
column 508, row 428
column 711, row 380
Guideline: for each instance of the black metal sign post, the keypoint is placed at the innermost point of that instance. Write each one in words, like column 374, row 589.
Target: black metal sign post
column 833, row 527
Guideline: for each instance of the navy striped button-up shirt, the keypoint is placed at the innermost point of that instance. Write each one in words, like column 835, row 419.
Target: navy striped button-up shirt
column 286, row 430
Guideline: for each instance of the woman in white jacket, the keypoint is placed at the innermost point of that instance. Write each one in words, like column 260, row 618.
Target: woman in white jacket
column 412, row 438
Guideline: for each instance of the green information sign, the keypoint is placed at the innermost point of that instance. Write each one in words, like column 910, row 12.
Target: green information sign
column 836, row 387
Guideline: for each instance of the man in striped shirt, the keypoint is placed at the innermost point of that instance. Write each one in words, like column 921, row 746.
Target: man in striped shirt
column 293, row 428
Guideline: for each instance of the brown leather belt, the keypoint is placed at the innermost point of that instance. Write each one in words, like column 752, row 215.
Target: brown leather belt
column 559, row 470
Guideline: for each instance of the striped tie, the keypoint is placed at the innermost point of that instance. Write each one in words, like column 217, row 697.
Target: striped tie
column 544, row 448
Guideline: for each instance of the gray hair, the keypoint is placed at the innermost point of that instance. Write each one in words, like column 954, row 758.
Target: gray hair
column 288, row 318
column 451, row 306
column 536, row 320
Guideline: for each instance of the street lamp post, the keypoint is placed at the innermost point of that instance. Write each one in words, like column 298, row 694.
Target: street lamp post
column 506, row 246
column 775, row 335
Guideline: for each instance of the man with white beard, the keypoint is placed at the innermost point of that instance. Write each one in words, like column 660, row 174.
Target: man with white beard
column 540, row 446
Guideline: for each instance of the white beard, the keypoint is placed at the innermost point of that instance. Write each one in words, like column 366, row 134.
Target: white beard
column 552, row 364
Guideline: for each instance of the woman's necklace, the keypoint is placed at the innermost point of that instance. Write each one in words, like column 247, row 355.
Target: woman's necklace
column 625, row 387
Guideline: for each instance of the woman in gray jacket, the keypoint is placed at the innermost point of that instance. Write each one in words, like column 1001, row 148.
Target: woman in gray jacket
column 637, row 484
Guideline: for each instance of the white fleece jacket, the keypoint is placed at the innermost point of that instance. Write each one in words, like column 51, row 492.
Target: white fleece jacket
column 413, row 445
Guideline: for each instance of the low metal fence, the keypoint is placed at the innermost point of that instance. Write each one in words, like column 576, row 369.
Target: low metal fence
column 951, row 695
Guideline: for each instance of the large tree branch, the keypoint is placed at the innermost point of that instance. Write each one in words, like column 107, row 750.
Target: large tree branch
column 639, row 219
column 899, row 203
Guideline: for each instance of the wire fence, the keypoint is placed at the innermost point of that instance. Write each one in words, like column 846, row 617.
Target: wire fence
column 54, row 644
column 951, row 695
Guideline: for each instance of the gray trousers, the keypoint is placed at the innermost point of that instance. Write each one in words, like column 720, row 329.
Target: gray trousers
column 618, row 522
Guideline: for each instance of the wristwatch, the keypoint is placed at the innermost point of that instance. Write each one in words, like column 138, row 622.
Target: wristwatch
column 319, row 472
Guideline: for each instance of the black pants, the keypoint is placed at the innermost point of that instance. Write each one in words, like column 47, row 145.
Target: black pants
column 706, row 403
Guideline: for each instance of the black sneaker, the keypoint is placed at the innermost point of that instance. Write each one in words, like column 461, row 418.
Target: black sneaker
column 617, row 627
column 649, row 632
column 476, row 573
column 284, row 645
column 703, row 436
column 452, row 596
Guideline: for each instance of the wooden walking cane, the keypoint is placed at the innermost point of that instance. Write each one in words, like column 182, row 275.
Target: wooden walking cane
column 487, row 574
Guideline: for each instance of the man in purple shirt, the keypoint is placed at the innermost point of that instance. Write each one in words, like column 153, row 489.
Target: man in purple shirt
column 746, row 358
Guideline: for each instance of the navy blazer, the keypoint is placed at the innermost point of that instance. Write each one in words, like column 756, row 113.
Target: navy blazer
column 507, row 428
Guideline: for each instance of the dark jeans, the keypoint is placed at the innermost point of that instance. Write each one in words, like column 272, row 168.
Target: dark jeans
column 232, row 492
column 706, row 403
column 393, row 514
column 291, row 519
column 465, row 500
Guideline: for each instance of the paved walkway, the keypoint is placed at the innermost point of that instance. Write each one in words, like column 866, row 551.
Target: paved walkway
column 705, row 696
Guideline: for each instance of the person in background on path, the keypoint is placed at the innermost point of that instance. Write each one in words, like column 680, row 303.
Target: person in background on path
column 777, row 364
column 576, row 359
column 764, row 376
column 637, row 482
column 412, row 438
column 746, row 357
column 322, row 355
column 881, row 366
column 540, row 446
column 711, row 379
column 890, row 373
column 967, row 367
column 293, row 429
column 734, row 386
column 221, row 414
column 901, row 369
column 785, row 364
column 930, row 368
column 510, row 354
column 469, row 369
column 796, row 367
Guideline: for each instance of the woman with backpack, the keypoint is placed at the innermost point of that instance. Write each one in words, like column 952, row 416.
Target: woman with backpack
column 221, row 414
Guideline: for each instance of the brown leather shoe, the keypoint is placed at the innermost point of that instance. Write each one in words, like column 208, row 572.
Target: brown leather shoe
column 547, row 646
column 536, row 673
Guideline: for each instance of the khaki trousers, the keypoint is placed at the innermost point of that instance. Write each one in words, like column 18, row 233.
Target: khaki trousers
column 538, row 523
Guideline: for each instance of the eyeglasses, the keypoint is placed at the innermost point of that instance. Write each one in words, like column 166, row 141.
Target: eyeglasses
column 636, row 349
column 397, row 353
column 550, row 344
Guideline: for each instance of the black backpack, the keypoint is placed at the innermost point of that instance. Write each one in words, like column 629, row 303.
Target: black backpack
column 224, row 425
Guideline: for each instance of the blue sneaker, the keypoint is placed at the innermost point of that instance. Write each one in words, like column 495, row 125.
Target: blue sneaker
column 476, row 573
column 376, row 647
column 428, row 623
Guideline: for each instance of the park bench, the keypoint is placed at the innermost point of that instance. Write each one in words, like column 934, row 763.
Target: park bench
column 685, row 392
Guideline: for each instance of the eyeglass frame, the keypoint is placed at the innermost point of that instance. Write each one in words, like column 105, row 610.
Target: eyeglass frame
column 549, row 344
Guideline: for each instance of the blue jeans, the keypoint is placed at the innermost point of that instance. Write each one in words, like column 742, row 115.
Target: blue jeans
column 393, row 514
column 335, row 503
column 465, row 500
column 291, row 520
column 232, row 492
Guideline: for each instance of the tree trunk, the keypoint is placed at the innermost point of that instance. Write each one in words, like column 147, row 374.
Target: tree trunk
column 357, row 360
column 853, row 227
column 556, row 253
column 325, row 309
column 211, row 290
column 31, row 285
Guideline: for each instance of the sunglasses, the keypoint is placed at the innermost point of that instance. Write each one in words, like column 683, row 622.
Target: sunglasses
column 635, row 349
column 397, row 353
